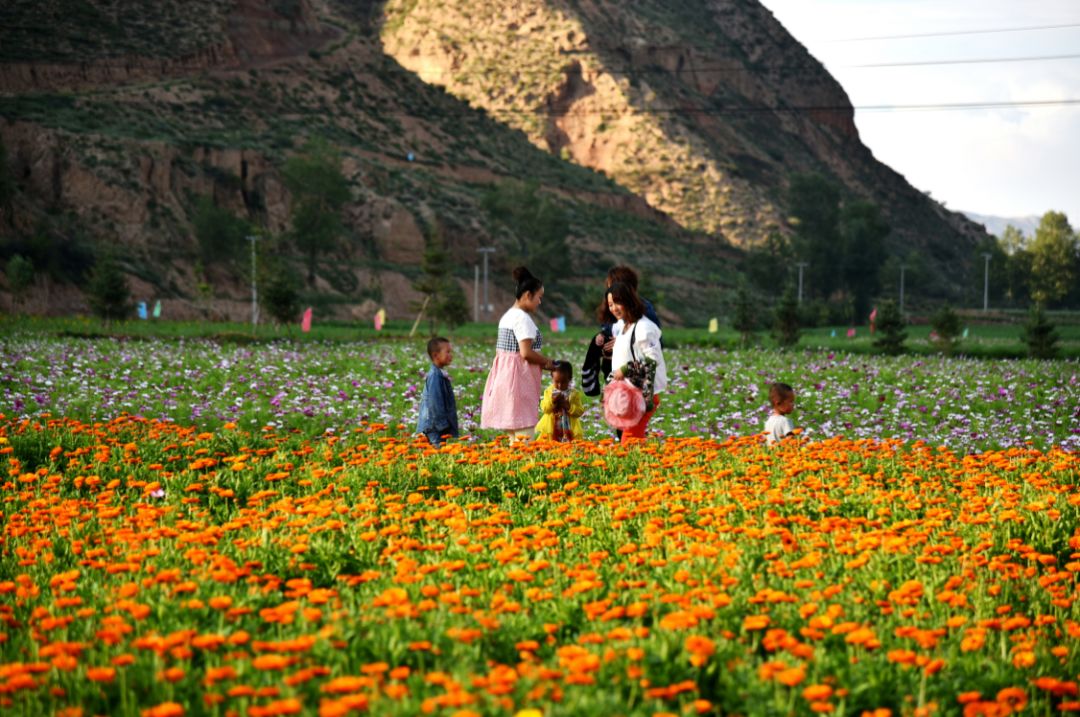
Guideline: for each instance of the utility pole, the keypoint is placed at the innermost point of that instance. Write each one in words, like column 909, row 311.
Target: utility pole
column 902, row 268
column 254, row 288
column 801, row 265
column 476, row 294
column 986, row 283
column 486, row 250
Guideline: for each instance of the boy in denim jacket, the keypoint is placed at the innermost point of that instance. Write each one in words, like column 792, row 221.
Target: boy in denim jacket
column 438, row 409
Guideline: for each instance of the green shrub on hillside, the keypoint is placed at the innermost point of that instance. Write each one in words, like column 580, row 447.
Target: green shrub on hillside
column 890, row 328
column 1040, row 335
column 108, row 292
column 786, row 326
column 946, row 327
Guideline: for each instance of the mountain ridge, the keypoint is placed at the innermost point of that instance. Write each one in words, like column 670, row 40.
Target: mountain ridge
column 119, row 158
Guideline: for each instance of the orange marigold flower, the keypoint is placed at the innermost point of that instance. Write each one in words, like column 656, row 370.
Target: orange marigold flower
column 217, row 674
column 101, row 674
column 934, row 666
column 288, row 706
column 1014, row 697
column 792, row 676
column 272, row 661
column 700, row 649
column 165, row 709
column 172, row 674
column 817, row 693
column 755, row 622
column 1023, row 658
column 346, row 684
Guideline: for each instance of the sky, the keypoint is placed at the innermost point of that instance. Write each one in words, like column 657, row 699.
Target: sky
column 1012, row 161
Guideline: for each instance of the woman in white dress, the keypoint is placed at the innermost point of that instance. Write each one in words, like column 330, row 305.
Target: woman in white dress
column 636, row 338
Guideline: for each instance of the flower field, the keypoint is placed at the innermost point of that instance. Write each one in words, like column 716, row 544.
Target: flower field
column 151, row 568
column 201, row 530
column 965, row 404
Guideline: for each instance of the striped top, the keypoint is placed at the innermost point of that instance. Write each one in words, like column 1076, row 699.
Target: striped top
column 515, row 326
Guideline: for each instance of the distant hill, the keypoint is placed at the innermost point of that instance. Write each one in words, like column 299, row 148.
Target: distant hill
column 665, row 134
column 996, row 225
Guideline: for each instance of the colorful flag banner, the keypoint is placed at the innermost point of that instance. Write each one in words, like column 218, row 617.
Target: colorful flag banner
column 851, row 333
column 380, row 319
column 142, row 309
column 562, row 324
column 305, row 323
column 554, row 323
column 832, row 334
column 714, row 325
column 157, row 309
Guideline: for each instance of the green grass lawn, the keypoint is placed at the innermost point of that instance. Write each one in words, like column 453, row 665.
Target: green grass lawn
column 982, row 341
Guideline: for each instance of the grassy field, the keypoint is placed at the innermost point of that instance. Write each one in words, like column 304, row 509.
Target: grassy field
column 983, row 341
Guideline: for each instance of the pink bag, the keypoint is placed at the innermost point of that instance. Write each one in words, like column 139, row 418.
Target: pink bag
column 624, row 406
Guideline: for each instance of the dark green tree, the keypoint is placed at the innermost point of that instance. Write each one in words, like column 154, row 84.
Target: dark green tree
column 20, row 275
column 862, row 232
column 107, row 291
column 221, row 234
column 947, row 326
column 319, row 191
column 1054, row 253
column 786, row 327
column 767, row 261
column 1040, row 335
column 453, row 307
column 444, row 299
column 281, row 292
column 537, row 221
column 814, row 213
column 744, row 315
column 1012, row 240
column 890, row 329
column 7, row 182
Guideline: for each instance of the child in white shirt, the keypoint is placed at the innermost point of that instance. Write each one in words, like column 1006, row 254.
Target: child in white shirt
column 778, row 427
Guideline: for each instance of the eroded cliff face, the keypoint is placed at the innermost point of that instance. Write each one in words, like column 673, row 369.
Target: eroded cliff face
column 659, row 112
column 704, row 109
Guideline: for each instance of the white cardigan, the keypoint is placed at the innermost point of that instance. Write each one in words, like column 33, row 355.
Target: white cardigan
column 646, row 343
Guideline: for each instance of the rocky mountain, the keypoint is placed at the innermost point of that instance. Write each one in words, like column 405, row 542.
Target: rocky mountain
column 665, row 134
column 996, row 225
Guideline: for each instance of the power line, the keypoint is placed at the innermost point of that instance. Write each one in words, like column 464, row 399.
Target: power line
column 952, row 33
column 925, row 107
column 797, row 69
column 971, row 105
column 971, row 61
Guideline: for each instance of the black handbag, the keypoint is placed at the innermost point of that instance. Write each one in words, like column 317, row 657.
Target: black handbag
column 590, row 370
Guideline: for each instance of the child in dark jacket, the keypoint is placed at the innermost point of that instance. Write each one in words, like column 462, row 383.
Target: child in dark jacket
column 438, row 409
